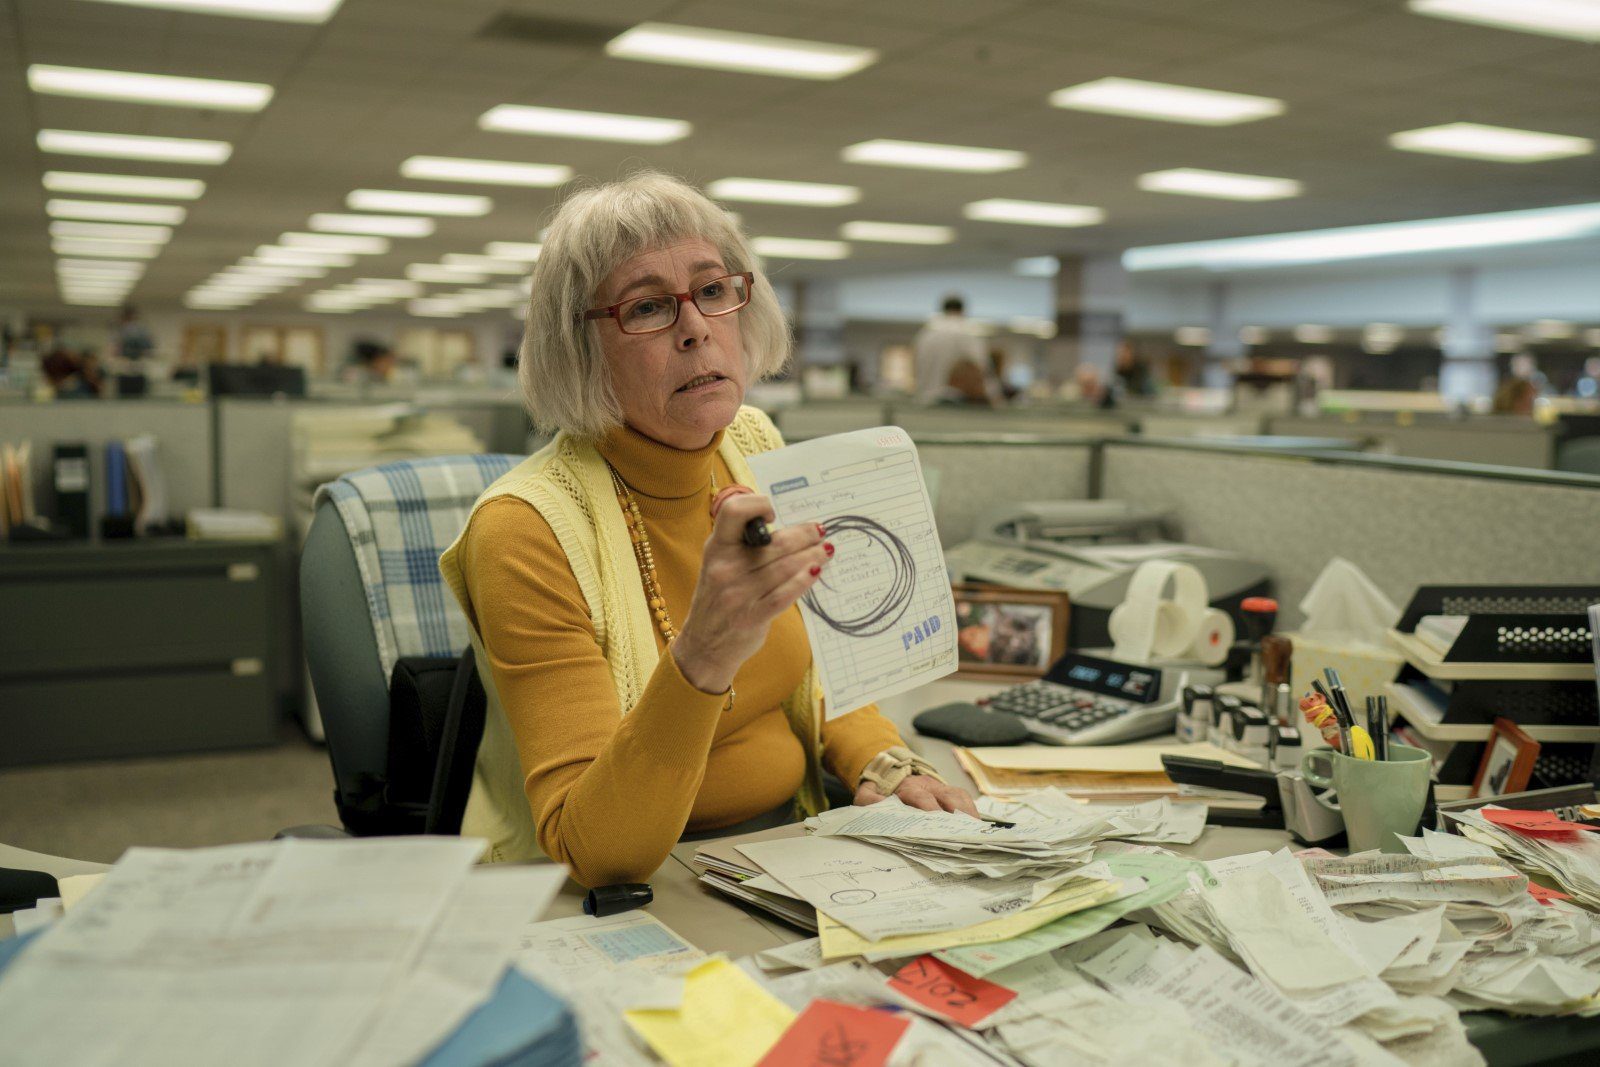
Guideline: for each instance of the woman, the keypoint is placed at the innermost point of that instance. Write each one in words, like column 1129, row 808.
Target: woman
column 647, row 672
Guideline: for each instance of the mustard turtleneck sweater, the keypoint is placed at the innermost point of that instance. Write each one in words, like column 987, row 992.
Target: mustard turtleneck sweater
column 611, row 794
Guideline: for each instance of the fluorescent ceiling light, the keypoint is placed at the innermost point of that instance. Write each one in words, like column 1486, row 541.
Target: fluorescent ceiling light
column 765, row 191
column 489, row 298
column 485, row 171
column 155, row 235
column 1197, row 336
column 1252, row 335
column 1363, row 242
column 273, row 10
column 436, row 308
column 1472, row 140
column 897, row 233
column 799, row 248
column 437, row 272
column 328, row 242
column 87, row 283
column 583, row 125
column 303, row 256
column 522, row 251
column 1309, row 334
column 455, row 204
column 1577, row 19
column 148, row 88
column 67, row 181
column 388, row 286
column 115, row 211
column 383, row 225
column 100, row 266
column 1033, row 213
column 1551, row 330
column 485, row 264
column 934, row 156
column 1168, row 103
column 129, row 146
column 264, row 269
column 92, row 300
column 85, row 246
column 690, row 46
column 1189, row 181
column 1037, row 267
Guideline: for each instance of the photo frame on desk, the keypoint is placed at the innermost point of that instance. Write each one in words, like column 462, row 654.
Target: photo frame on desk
column 1008, row 633
column 1508, row 758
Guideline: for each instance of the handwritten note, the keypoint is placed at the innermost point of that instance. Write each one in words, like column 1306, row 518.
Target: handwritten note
column 1534, row 823
column 881, row 619
column 830, row 1034
column 954, row 994
column 726, row 1020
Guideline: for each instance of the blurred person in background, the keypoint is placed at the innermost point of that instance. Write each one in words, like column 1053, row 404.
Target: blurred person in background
column 133, row 340
column 1133, row 376
column 72, row 375
column 374, row 363
column 1588, row 384
column 944, row 342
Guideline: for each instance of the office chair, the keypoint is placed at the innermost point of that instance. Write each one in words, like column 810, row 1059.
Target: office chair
column 376, row 611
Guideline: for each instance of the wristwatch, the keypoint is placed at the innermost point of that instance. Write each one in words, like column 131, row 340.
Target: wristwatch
column 889, row 768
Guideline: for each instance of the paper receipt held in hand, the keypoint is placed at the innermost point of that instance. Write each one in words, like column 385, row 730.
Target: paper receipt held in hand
column 953, row 993
column 881, row 617
column 837, row 1035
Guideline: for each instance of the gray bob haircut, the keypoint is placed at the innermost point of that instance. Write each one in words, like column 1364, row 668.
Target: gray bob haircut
column 562, row 370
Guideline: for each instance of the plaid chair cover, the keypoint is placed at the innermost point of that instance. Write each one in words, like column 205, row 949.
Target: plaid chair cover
column 400, row 517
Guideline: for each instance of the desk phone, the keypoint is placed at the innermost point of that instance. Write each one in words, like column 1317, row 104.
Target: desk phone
column 1092, row 700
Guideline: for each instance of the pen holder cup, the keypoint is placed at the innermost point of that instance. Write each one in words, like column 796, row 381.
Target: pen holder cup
column 1380, row 800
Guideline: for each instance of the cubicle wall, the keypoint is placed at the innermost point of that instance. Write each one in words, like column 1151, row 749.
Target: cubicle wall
column 1504, row 440
column 1403, row 523
column 974, row 477
column 183, row 443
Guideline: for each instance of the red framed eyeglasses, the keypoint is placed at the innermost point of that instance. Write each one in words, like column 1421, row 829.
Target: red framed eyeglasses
column 648, row 314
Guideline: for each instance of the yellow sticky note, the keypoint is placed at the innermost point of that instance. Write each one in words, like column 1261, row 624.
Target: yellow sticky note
column 75, row 887
column 1078, row 895
column 726, row 1020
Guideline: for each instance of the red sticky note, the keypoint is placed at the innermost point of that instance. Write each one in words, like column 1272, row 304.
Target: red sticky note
column 830, row 1034
column 1543, row 895
column 1536, row 823
column 952, row 993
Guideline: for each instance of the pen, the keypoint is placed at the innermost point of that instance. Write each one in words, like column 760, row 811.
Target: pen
column 1372, row 724
column 1381, row 738
column 1341, row 715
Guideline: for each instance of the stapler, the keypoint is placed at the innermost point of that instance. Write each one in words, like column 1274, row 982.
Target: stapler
column 1287, row 798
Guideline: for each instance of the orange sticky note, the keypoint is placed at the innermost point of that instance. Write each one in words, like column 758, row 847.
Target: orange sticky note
column 953, row 993
column 1543, row 895
column 1536, row 823
column 830, row 1034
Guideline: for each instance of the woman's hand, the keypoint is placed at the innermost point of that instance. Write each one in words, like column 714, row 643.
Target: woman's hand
column 920, row 791
column 742, row 589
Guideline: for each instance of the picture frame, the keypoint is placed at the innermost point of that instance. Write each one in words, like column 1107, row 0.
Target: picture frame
column 1507, row 763
column 1008, row 633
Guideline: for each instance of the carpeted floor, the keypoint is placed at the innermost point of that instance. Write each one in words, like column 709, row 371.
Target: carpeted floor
column 92, row 811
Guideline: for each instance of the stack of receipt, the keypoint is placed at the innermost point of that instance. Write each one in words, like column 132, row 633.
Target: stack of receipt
column 1566, row 854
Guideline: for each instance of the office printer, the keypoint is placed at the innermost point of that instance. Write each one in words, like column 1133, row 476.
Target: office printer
column 1089, row 550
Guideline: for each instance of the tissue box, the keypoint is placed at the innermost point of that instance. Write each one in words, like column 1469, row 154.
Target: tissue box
column 1364, row 669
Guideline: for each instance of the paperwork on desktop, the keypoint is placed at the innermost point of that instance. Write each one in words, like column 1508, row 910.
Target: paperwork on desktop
column 280, row 952
column 881, row 619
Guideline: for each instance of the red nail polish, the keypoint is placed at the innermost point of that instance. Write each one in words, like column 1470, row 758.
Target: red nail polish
column 820, row 531
column 827, row 546
column 815, row 571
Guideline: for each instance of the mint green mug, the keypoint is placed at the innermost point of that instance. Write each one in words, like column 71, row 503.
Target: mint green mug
column 1381, row 800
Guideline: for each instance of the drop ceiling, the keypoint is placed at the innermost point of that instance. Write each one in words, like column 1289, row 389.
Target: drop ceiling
column 387, row 79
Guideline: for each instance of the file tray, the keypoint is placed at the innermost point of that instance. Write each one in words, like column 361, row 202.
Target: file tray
column 1509, row 629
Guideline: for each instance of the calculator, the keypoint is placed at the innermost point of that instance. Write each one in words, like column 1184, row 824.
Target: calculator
column 1092, row 700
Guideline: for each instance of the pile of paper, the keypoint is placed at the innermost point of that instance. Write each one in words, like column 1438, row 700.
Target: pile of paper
column 358, row 952
column 1117, row 774
column 1567, row 853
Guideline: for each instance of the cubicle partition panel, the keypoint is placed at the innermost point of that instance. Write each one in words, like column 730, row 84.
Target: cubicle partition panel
column 821, row 418
column 183, row 443
column 1405, row 523
column 1507, row 441
column 973, row 477
column 951, row 418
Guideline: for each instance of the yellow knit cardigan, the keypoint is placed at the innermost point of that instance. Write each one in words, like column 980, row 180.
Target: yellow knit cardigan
column 568, row 483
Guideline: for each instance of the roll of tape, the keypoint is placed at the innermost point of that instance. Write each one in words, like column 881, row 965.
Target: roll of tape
column 1213, row 638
